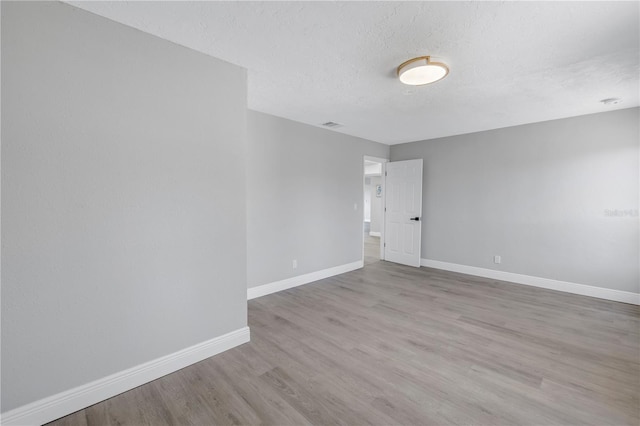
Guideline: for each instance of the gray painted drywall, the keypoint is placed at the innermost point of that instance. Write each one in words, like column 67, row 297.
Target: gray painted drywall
column 287, row 220
column 538, row 196
column 367, row 199
column 376, row 204
column 123, row 199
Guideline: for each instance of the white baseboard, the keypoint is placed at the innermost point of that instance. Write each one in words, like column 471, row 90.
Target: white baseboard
column 276, row 286
column 61, row 404
column 374, row 234
column 568, row 287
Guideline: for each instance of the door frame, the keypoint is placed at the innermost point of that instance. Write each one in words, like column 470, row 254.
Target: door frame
column 384, row 162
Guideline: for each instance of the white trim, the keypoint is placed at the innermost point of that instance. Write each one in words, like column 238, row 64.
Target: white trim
column 67, row 402
column 276, row 286
column 374, row 234
column 568, row 287
column 376, row 159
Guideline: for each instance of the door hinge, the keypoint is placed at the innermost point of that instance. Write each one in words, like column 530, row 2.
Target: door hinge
column 385, row 244
column 385, row 173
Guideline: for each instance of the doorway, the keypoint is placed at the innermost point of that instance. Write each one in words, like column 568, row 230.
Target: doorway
column 373, row 217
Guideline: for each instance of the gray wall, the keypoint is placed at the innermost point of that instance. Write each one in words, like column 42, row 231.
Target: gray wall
column 537, row 195
column 367, row 199
column 123, row 199
column 376, row 205
column 302, row 184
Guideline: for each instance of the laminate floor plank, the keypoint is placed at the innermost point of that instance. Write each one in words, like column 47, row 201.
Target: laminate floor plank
column 371, row 249
column 389, row 344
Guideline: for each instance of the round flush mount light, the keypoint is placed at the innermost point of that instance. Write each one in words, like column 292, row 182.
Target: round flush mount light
column 421, row 70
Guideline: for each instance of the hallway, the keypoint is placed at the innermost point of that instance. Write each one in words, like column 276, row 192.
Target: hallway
column 371, row 249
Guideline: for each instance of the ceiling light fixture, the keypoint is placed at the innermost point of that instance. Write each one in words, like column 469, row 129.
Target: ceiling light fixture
column 421, row 70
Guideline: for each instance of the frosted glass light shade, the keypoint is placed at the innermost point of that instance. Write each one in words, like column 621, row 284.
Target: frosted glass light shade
column 419, row 71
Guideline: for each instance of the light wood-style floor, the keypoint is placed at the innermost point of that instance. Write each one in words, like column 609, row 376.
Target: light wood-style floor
column 371, row 249
column 394, row 345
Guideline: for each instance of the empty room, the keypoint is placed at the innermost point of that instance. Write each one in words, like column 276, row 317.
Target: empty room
column 318, row 213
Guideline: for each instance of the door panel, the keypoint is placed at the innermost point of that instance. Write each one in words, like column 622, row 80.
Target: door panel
column 404, row 202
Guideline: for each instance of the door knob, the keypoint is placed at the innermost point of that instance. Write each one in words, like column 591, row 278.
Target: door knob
column 415, row 218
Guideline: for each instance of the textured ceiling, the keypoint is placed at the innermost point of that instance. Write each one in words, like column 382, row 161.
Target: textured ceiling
column 511, row 62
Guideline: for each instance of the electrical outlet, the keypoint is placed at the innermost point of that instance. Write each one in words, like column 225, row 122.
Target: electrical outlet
column 497, row 259
column 294, row 263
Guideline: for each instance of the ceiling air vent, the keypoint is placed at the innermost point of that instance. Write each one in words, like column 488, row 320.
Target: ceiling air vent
column 331, row 124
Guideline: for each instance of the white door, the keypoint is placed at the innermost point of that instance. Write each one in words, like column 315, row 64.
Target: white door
column 403, row 219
